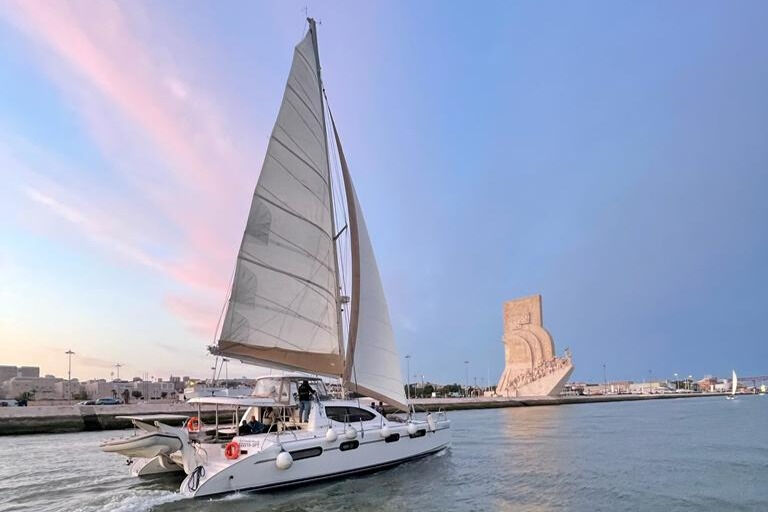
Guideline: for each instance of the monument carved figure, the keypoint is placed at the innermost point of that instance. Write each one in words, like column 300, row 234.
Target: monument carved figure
column 532, row 367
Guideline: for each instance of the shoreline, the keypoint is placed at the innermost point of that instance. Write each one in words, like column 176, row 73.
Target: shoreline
column 62, row 419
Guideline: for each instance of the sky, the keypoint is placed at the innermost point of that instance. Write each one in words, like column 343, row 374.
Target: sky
column 609, row 155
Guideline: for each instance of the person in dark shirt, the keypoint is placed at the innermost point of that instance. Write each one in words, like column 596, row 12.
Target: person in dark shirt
column 253, row 426
column 305, row 401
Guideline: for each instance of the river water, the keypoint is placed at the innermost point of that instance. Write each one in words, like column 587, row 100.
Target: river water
column 697, row 454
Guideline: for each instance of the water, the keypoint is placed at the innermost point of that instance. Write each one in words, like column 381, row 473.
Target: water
column 689, row 454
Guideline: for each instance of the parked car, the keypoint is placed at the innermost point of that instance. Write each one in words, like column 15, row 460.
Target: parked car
column 86, row 402
column 108, row 401
column 8, row 403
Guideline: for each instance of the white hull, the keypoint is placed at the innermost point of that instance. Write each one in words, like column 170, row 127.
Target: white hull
column 257, row 470
column 154, row 466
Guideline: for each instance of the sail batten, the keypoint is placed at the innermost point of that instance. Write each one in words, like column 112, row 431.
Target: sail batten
column 282, row 310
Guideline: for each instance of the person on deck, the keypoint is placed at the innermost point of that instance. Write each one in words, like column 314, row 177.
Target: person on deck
column 253, row 426
column 305, row 400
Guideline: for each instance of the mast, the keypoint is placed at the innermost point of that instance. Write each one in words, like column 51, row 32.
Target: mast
column 340, row 329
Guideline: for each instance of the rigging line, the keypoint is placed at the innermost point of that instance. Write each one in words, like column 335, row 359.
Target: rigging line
column 340, row 186
column 340, row 232
column 220, row 321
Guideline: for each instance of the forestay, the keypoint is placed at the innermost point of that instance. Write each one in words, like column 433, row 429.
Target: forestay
column 283, row 302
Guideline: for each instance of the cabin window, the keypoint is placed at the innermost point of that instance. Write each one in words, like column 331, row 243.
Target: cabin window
column 391, row 438
column 307, row 453
column 418, row 433
column 348, row 414
column 356, row 414
column 336, row 414
column 349, row 445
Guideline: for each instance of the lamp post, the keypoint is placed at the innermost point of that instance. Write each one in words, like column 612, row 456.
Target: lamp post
column 676, row 386
column 605, row 380
column 466, row 379
column 408, row 376
column 69, row 374
column 690, row 383
column 118, row 366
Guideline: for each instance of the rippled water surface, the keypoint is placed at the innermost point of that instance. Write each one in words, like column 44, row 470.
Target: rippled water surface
column 689, row 454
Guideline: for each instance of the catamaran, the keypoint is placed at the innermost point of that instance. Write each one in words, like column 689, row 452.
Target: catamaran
column 287, row 310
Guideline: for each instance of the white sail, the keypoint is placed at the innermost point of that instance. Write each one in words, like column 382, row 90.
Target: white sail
column 282, row 310
column 734, row 382
column 372, row 365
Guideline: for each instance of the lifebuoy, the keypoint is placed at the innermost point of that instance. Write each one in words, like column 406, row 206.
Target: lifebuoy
column 232, row 450
column 193, row 425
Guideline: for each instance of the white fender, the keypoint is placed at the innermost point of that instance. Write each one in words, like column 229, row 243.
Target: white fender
column 412, row 428
column 385, row 431
column 431, row 422
column 283, row 460
column 330, row 435
column 350, row 432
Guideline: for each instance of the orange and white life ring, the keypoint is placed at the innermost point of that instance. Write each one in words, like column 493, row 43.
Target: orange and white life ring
column 232, row 450
column 194, row 423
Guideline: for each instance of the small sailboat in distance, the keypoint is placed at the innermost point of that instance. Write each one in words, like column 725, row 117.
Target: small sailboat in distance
column 734, row 383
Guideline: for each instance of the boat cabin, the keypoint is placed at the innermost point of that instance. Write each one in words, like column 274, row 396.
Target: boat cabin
column 274, row 405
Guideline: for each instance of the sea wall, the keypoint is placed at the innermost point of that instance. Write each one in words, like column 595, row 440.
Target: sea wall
column 452, row 404
column 42, row 419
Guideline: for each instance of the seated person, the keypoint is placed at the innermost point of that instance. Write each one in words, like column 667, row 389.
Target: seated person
column 253, row 426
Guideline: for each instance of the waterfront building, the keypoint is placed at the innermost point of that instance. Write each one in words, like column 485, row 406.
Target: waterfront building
column 7, row 372
column 38, row 388
column 531, row 366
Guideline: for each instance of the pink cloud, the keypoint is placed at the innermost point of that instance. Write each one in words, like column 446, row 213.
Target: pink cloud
column 138, row 108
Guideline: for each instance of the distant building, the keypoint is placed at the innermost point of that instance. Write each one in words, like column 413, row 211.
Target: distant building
column 39, row 388
column 29, row 371
column 147, row 390
column 8, row 372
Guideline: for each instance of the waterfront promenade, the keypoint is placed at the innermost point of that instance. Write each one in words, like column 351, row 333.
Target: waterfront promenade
column 78, row 418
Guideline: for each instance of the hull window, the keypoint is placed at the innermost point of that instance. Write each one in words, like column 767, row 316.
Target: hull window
column 349, row 445
column 418, row 433
column 392, row 438
column 307, row 453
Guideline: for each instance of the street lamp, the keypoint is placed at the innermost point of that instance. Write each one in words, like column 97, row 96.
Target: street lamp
column 690, row 383
column 676, row 386
column 118, row 366
column 408, row 376
column 69, row 373
column 605, row 381
column 466, row 379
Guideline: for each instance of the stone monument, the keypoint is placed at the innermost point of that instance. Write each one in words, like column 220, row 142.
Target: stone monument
column 531, row 366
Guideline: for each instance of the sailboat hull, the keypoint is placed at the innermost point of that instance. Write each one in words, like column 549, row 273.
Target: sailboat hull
column 259, row 472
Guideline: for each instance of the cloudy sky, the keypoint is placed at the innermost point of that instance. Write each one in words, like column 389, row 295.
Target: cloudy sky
column 609, row 155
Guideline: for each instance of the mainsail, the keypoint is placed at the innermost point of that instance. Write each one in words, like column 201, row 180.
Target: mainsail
column 282, row 310
column 372, row 363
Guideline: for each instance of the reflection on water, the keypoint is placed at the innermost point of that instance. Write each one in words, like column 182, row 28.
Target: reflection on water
column 687, row 454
